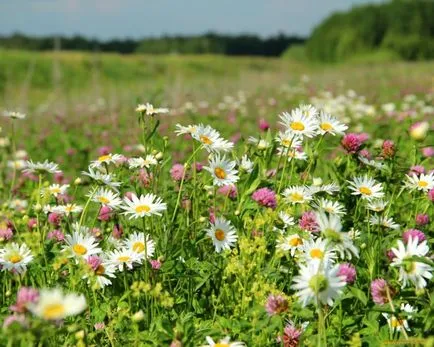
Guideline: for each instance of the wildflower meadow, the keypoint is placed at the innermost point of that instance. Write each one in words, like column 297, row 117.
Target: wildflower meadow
column 293, row 214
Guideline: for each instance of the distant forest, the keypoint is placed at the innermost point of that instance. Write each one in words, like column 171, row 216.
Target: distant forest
column 204, row 44
column 403, row 28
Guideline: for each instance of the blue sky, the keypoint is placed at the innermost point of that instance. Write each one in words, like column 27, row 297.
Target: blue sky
column 105, row 19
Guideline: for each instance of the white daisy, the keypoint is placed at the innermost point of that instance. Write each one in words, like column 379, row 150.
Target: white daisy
column 103, row 179
column 222, row 170
column 143, row 206
column 329, row 206
column 67, row 209
column 383, row 221
column 15, row 257
column 80, row 245
column 182, row 130
column 308, row 110
column 424, row 182
column 330, row 188
column 330, row 125
column 291, row 153
column 101, row 270
column 297, row 194
column 318, row 283
column 246, row 164
column 107, row 198
column 397, row 324
column 287, row 140
column 223, row 234
column 141, row 244
column 105, row 160
column 411, row 270
column 318, row 250
column 54, row 305
column 298, row 124
column 40, row 168
column 291, row 243
column 14, row 115
column 331, row 228
column 17, row 164
column 223, row 343
column 140, row 162
column 149, row 109
column 286, row 219
column 377, row 205
column 259, row 143
column 55, row 190
column 366, row 187
column 123, row 258
column 211, row 139
column 18, row 204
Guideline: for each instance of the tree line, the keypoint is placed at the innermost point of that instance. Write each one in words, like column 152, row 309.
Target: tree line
column 210, row 43
column 401, row 27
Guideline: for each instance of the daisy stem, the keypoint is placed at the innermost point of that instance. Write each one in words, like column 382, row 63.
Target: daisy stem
column 182, row 184
column 14, row 170
column 83, row 213
column 321, row 327
column 392, row 307
column 283, row 171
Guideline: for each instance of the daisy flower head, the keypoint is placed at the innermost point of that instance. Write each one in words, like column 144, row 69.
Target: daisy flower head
column 141, row 244
column 292, row 153
column 383, row 221
column 140, row 162
column 14, row 115
column 411, row 270
column 41, row 168
column 143, row 206
column 54, row 305
column 290, row 243
column 286, row 219
column 15, row 257
column 102, row 271
column 223, row 234
column 331, row 228
column 308, row 110
column 287, row 139
column 55, row 190
column 188, row 130
column 297, row 124
column 223, row 343
column 424, row 182
column 318, row 284
column 398, row 324
column 123, row 259
column 105, row 160
column 17, row 164
column 67, row 209
column 106, row 197
column 102, row 179
column 149, row 109
column 222, row 170
column 366, row 187
column 330, row 125
column 80, row 245
column 297, row 194
column 246, row 164
column 318, row 250
column 211, row 139
column 377, row 205
column 329, row 206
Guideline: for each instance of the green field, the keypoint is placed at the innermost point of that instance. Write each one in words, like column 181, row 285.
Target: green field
column 318, row 231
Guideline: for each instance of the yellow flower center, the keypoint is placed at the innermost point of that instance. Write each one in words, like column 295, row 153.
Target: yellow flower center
column 103, row 200
column 422, row 184
column 142, row 208
column 219, row 234
column 365, row 191
column 297, row 197
column 326, row 126
column 16, row 258
column 100, row 270
column 296, row 241
column 220, row 173
column 205, row 139
column 316, row 253
column 395, row 322
column 329, row 209
column 286, row 143
column 79, row 249
column 297, row 126
column 104, row 158
column 221, row 344
column 124, row 258
column 55, row 190
column 53, row 311
column 69, row 208
column 138, row 247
